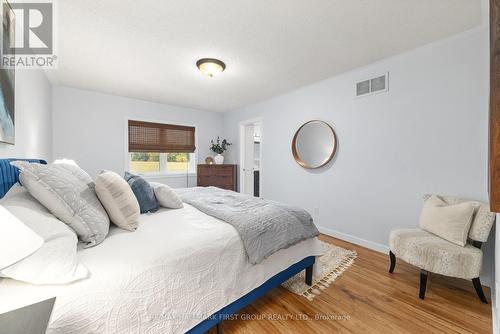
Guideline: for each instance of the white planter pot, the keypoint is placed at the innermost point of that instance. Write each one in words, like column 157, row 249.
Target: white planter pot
column 219, row 159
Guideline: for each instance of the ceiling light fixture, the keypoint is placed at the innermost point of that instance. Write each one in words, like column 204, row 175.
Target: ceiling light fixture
column 210, row 66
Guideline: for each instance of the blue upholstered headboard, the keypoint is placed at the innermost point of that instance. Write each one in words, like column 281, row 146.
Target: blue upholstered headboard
column 9, row 175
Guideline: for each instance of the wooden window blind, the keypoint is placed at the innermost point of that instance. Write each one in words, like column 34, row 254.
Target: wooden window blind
column 158, row 137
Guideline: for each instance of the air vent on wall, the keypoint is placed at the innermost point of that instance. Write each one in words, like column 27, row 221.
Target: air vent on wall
column 374, row 85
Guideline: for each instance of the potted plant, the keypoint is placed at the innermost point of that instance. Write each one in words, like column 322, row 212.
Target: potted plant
column 219, row 148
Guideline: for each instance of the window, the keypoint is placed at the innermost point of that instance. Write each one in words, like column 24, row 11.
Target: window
column 156, row 148
column 164, row 163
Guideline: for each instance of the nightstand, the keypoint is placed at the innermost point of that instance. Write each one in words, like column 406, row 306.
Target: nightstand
column 31, row 319
column 222, row 176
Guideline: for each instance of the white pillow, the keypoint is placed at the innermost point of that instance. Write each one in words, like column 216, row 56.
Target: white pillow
column 450, row 222
column 65, row 190
column 166, row 196
column 56, row 261
column 118, row 199
column 16, row 240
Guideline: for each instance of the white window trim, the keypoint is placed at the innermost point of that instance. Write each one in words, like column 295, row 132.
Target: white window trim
column 154, row 176
column 160, row 174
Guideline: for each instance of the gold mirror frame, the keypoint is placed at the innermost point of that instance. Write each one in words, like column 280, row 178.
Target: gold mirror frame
column 296, row 154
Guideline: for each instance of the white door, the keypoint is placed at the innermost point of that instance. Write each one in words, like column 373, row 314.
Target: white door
column 249, row 158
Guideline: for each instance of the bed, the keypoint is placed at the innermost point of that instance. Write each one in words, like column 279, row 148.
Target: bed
column 181, row 271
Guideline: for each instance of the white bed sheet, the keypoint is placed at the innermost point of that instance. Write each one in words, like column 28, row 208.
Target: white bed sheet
column 178, row 268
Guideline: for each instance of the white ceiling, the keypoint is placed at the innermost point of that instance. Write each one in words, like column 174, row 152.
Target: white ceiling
column 148, row 49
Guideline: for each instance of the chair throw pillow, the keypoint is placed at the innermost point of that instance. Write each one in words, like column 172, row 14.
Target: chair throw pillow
column 450, row 222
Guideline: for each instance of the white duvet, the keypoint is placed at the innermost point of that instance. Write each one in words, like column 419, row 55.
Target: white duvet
column 178, row 268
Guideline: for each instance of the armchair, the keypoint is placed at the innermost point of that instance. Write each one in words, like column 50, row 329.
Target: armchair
column 433, row 254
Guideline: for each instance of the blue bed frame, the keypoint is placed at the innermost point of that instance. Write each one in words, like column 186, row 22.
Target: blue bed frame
column 234, row 307
column 9, row 175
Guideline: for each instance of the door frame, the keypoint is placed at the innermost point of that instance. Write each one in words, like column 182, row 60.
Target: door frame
column 494, row 110
column 242, row 124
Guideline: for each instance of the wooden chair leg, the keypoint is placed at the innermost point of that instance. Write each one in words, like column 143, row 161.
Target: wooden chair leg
column 479, row 290
column 309, row 275
column 393, row 262
column 423, row 283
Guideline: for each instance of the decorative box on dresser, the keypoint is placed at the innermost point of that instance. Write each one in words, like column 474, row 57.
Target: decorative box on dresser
column 222, row 176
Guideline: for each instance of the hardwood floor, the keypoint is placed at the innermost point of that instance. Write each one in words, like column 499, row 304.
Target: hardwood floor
column 367, row 299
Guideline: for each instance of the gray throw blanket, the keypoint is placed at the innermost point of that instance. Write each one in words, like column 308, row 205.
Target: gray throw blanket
column 264, row 226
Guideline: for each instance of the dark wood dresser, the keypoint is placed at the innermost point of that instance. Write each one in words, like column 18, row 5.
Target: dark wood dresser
column 222, row 176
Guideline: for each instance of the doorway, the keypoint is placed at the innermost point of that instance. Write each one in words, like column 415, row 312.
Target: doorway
column 251, row 157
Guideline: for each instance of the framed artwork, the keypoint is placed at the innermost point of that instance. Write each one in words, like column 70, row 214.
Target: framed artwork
column 7, row 78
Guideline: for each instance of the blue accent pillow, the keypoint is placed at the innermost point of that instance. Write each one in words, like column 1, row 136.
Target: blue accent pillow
column 143, row 192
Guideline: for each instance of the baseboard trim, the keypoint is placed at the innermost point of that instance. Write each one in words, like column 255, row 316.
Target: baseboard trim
column 355, row 240
column 494, row 318
column 494, row 310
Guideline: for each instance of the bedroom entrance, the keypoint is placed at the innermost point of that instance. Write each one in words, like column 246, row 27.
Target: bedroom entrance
column 250, row 157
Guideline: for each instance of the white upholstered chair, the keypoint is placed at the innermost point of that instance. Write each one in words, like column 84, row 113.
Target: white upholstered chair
column 433, row 254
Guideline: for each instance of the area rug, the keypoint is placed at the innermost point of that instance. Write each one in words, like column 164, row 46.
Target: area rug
column 333, row 263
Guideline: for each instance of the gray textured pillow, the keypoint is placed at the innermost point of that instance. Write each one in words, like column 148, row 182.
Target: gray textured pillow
column 78, row 173
column 450, row 222
column 68, row 197
column 118, row 200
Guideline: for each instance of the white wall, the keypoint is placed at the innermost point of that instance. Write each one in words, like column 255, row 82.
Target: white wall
column 90, row 128
column 33, row 120
column 428, row 134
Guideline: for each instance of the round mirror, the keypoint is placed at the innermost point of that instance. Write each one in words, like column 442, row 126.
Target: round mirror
column 314, row 144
